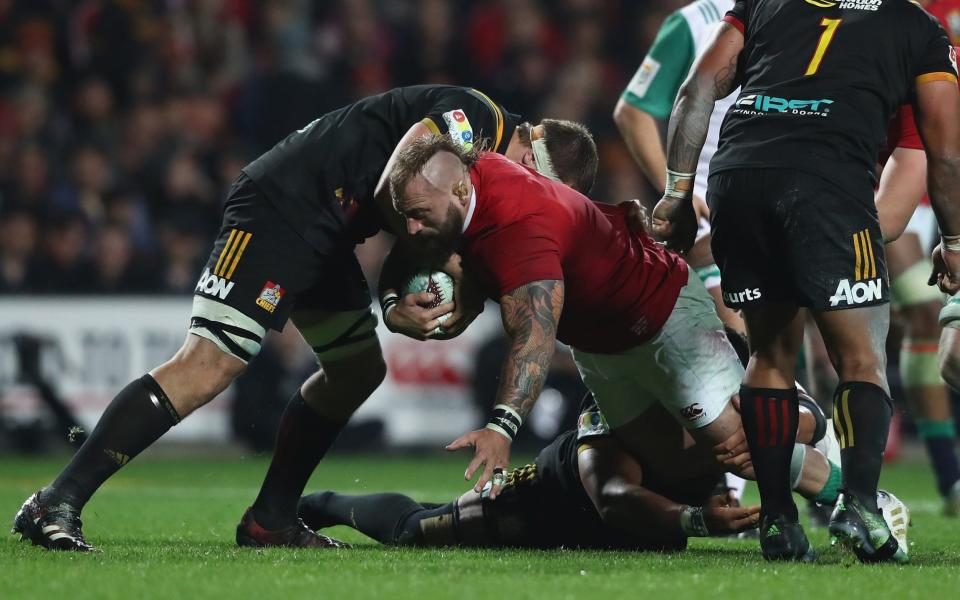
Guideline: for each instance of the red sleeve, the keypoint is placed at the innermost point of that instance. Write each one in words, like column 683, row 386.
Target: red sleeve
column 736, row 23
column 519, row 254
column 907, row 135
column 738, row 16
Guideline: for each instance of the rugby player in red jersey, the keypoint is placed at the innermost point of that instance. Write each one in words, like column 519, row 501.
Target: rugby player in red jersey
column 641, row 326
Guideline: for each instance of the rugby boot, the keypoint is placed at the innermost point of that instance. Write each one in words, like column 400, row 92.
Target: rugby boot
column 784, row 541
column 298, row 535
column 864, row 532
column 52, row 526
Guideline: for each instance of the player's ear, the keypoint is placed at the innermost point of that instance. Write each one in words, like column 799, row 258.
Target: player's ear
column 527, row 159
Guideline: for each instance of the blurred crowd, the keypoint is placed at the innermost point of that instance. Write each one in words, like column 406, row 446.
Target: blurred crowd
column 123, row 122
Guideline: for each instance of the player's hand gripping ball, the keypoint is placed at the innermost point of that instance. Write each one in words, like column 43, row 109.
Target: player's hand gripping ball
column 437, row 283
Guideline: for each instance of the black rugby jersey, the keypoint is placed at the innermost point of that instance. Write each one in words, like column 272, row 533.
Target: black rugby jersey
column 821, row 80
column 321, row 178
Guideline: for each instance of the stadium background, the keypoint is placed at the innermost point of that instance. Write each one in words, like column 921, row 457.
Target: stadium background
column 123, row 122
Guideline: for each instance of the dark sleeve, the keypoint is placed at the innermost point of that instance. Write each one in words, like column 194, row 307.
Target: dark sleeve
column 738, row 16
column 938, row 60
column 468, row 115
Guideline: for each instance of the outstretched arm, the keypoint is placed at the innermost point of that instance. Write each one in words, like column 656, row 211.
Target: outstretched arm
column 713, row 76
column 613, row 481
column 530, row 315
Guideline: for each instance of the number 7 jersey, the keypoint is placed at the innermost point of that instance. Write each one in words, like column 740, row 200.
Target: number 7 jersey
column 821, row 80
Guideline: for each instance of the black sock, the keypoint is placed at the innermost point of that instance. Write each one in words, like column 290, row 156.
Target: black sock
column 861, row 420
column 392, row 519
column 770, row 423
column 303, row 438
column 136, row 418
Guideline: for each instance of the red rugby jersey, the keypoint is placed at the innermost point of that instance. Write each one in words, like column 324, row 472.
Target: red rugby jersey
column 619, row 287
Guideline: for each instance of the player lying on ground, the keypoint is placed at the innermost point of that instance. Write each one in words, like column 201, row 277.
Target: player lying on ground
column 642, row 327
column 586, row 490
column 795, row 226
column 908, row 225
column 285, row 250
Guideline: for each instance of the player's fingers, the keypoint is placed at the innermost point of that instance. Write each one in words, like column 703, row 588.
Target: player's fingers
column 485, row 477
column 423, row 298
column 478, row 460
column 464, row 441
column 441, row 310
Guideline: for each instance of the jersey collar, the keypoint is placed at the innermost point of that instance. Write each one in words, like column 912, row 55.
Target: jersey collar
column 470, row 209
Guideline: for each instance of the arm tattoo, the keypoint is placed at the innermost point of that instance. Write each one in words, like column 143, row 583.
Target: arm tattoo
column 530, row 316
column 690, row 118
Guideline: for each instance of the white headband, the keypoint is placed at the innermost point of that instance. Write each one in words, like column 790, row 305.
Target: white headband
column 541, row 158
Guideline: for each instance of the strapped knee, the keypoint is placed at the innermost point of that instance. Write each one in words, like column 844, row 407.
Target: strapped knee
column 341, row 334
column 232, row 331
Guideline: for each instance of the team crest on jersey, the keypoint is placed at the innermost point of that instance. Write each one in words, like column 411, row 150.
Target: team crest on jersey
column 458, row 126
column 270, row 296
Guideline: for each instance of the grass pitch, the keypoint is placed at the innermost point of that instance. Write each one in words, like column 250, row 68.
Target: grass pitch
column 166, row 529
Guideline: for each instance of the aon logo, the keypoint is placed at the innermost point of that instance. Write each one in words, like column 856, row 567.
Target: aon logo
column 858, row 293
column 212, row 285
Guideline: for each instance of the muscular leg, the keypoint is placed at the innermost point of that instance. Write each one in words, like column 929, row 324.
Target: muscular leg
column 313, row 419
column 769, row 402
column 392, row 519
column 855, row 340
column 141, row 413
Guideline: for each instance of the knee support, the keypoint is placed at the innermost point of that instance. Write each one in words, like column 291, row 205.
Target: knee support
column 910, row 287
column 232, row 331
column 919, row 365
column 341, row 334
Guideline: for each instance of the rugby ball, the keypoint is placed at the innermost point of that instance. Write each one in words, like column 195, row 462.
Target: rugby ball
column 437, row 283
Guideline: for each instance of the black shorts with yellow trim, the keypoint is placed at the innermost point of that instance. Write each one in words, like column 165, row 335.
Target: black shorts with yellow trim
column 262, row 268
column 789, row 236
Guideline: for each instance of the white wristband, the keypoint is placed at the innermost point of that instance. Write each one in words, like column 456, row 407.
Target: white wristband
column 950, row 243
column 679, row 185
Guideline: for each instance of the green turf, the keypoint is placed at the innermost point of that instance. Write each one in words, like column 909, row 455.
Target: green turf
column 166, row 530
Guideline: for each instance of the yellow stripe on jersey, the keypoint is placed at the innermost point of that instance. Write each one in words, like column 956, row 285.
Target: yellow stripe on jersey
column 856, row 252
column 431, row 125
column 230, row 250
column 499, row 117
column 216, row 269
column 243, row 246
column 873, row 259
column 936, row 77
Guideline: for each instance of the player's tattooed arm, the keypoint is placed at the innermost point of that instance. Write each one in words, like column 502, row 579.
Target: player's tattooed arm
column 530, row 315
column 713, row 77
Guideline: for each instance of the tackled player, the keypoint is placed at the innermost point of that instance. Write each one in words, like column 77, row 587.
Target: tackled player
column 290, row 225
